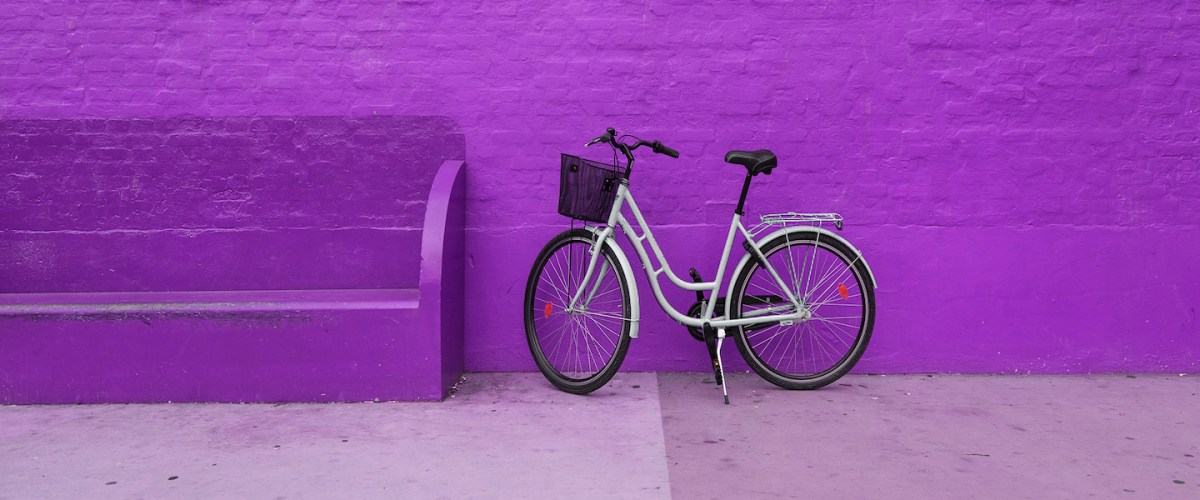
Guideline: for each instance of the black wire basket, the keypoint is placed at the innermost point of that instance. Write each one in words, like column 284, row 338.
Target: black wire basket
column 587, row 189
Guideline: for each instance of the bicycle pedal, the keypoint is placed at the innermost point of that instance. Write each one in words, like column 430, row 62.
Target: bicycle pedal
column 710, row 341
column 696, row 311
column 696, row 279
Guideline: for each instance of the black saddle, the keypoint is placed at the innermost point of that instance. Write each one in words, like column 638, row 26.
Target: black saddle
column 756, row 162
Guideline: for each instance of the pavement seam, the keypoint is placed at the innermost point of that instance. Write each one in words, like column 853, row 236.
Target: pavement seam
column 662, row 429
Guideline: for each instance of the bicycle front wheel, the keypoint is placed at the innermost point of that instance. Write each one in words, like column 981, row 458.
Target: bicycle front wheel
column 580, row 349
column 828, row 277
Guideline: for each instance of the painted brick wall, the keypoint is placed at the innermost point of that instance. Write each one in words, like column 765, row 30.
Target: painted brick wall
column 217, row 203
column 1022, row 175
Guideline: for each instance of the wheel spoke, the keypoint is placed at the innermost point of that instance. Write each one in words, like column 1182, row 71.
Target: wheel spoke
column 576, row 348
column 810, row 348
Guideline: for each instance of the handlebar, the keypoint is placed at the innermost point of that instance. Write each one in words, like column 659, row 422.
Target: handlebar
column 661, row 149
column 610, row 136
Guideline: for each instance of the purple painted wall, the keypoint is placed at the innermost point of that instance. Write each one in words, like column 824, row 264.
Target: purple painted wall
column 227, row 203
column 1022, row 176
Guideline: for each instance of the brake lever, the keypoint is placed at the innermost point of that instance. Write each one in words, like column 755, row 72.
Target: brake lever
column 609, row 136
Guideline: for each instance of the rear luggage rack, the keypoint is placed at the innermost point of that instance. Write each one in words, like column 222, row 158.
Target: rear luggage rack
column 792, row 218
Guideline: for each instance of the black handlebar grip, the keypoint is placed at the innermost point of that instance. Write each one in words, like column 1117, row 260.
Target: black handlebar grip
column 668, row 151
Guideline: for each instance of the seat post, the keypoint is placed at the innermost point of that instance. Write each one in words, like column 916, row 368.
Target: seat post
column 742, row 200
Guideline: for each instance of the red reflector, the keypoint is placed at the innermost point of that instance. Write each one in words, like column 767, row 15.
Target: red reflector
column 549, row 308
column 841, row 291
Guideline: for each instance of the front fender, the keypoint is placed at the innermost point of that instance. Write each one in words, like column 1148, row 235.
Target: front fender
column 825, row 233
column 635, row 309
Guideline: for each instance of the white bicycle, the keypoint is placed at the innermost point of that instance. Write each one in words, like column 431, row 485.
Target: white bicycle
column 800, row 303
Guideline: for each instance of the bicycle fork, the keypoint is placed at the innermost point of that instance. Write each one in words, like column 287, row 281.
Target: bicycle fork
column 594, row 256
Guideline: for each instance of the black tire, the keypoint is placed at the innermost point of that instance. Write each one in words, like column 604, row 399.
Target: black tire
column 573, row 241
column 797, row 379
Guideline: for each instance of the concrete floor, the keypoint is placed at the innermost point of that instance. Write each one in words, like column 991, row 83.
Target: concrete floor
column 642, row 436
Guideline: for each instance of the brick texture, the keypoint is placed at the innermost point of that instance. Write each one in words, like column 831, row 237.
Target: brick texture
column 217, row 203
column 1022, row 175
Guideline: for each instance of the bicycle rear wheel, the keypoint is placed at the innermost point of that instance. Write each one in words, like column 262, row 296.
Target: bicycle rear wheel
column 833, row 281
column 577, row 350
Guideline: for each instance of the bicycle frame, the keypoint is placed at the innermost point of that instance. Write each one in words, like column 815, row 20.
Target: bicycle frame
column 617, row 218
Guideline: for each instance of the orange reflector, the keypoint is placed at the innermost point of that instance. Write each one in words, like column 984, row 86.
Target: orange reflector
column 549, row 308
column 841, row 291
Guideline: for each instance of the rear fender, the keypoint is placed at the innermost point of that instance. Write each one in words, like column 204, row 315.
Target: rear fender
column 824, row 233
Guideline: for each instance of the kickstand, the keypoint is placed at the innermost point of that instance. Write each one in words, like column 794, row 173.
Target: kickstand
column 721, row 366
column 714, row 338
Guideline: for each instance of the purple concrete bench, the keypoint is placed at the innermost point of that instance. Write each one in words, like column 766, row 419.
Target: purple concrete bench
column 230, row 259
